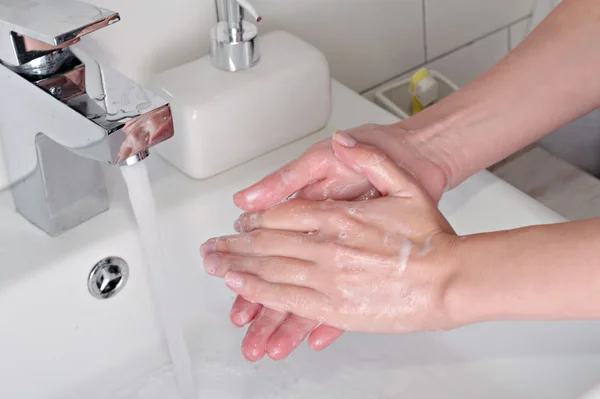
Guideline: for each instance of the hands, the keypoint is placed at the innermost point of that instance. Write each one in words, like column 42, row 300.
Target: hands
column 350, row 235
column 317, row 175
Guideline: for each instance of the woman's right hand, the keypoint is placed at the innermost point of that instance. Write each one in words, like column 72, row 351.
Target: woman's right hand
column 318, row 175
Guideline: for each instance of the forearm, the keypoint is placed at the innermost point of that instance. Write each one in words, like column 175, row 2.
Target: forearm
column 546, row 82
column 549, row 272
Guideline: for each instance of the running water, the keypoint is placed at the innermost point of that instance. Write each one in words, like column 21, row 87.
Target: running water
column 142, row 201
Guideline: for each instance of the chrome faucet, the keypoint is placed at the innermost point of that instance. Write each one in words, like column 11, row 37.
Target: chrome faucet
column 62, row 114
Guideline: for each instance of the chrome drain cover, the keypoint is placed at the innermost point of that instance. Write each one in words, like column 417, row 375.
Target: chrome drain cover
column 108, row 277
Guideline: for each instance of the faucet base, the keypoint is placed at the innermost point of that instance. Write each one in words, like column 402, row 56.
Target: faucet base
column 64, row 191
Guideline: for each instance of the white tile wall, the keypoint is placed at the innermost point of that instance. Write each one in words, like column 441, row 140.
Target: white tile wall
column 470, row 61
column 452, row 23
column 518, row 32
column 367, row 42
column 542, row 9
column 153, row 35
column 466, row 63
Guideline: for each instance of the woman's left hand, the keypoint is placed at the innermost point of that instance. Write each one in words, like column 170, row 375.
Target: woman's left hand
column 382, row 265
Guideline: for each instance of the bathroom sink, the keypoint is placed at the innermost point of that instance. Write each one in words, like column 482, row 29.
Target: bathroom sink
column 58, row 341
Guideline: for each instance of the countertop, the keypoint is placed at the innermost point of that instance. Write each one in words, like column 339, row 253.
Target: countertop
column 42, row 288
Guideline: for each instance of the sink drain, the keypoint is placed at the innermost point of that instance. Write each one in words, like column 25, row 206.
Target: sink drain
column 108, row 277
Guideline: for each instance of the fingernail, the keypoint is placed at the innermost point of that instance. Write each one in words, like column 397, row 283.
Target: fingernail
column 237, row 226
column 247, row 197
column 242, row 318
column 344, row 139
column 247, row 222
column 241, row 199
column 208, row 247
column 211, row 263
column 234, row 280
column 275, row 351
column 253, row 354
column 317, row 344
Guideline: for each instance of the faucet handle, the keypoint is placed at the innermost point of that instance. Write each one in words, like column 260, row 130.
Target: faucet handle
column 29, row 28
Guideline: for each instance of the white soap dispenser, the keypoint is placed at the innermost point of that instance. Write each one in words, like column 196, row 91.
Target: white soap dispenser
column 243, row 100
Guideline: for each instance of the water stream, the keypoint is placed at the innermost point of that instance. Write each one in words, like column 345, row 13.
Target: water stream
column 142, row 201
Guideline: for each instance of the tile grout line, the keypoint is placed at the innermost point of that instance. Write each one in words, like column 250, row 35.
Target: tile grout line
column 465, row 45
column 425, row 29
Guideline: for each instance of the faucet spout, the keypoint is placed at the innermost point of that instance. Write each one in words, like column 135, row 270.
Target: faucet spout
column 62, row 115
column 124, row 119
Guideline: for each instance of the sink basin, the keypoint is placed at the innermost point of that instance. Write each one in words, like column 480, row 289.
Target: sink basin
column 57, row 341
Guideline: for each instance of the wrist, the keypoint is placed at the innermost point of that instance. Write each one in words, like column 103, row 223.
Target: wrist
column 399, row 146
column 452, row 284
column 448, row 310
column 440, row 134
column 483, row 285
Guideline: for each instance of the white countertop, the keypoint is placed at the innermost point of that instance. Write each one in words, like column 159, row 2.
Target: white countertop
column 49, row 319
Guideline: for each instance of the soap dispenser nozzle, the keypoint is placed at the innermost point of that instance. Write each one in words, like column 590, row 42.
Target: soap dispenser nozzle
column 234, row 41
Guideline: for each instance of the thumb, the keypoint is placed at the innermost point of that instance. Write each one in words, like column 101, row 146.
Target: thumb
column 280, row 185
column 374, row 164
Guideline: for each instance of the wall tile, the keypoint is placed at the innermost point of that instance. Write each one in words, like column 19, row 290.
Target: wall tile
column 366, row 42
column 518, row 32
column 152, row 36
column 541, row 10
column 4, row 183
column 467, row 63
column 452, row 23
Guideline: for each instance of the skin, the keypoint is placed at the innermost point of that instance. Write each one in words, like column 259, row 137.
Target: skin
column 546, row 82
column 319, row 175
column 364, row 271
column 361, row 270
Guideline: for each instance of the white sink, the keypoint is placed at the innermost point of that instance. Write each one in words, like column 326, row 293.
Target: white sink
column 57, row 341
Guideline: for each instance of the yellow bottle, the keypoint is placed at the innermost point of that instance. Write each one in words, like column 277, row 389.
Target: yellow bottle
column 423, row 90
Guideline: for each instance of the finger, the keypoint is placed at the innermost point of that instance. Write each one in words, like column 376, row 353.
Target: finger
column 254, row 344
column 371, row 194
column 334, row 189
column 243, row 311
column 381, row 171
column 280, row 185
column 270, row 268
column 330, row 220
column 268, row 243
column 323, row 336
column 290, row 334
column 302, row 301
column 293, row 215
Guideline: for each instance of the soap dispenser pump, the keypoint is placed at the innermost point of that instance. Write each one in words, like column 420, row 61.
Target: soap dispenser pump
column 237, row 103
column 234, row 41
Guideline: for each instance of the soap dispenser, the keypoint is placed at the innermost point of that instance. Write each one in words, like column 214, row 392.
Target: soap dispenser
column 243, row 99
